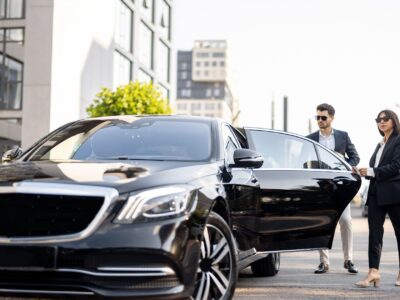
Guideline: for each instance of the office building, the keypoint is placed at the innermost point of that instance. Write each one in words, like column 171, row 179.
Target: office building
column 57, row 54
column 203, row 85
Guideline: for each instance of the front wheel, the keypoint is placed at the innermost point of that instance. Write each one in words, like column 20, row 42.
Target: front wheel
column 217, row 273
column 267, row 266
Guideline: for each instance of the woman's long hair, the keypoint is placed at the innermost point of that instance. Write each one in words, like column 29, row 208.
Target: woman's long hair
column 395, row 119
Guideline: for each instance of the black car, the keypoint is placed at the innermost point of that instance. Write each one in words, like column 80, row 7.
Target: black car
column 162, row 206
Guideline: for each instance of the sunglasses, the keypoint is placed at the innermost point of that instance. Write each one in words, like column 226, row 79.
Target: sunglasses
column 323, row 118
column 384, row 119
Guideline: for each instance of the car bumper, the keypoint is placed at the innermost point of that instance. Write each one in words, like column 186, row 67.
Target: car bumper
column 157, row 259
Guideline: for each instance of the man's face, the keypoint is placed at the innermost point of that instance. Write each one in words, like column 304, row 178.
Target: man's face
column 323, row 119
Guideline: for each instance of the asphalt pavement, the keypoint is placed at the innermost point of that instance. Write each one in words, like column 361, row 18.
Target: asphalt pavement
column 296, row 278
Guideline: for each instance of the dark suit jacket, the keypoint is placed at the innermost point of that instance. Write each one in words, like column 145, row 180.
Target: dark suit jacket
column 343, row 145
column 386, row 183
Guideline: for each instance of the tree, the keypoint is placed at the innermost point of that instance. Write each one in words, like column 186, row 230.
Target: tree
column 135, row 98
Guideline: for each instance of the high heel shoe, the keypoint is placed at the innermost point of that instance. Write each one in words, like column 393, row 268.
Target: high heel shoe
column 398, row 280
column 372, row 277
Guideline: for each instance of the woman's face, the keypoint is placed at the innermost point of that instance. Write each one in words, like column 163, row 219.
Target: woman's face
column 385, row 124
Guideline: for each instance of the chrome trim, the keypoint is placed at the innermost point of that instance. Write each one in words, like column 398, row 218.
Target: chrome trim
column 25, row 291
column 293, row 250
column 305, row 170
column 134, row 273
column 152, row 271
column 110, row 196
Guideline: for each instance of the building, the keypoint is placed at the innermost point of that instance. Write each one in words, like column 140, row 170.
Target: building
column 203, row 87
column 57, row 54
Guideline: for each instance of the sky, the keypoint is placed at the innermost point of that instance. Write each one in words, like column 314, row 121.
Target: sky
column 342, row 52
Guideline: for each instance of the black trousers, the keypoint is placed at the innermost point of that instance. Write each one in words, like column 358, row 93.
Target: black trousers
column 376, row 219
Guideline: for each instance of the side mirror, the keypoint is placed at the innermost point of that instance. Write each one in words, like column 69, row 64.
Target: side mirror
column 11, row 154
column 246, row 158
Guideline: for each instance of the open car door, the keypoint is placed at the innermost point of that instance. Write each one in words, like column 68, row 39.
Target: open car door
column 296, row 198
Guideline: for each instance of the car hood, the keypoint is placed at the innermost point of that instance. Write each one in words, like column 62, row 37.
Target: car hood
column 124, row 176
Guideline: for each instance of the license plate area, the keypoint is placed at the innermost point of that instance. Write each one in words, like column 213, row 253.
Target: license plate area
column 27, row 258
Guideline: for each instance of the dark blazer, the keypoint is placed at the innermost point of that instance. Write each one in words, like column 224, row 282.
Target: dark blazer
column 343, row 145
column 386, row 183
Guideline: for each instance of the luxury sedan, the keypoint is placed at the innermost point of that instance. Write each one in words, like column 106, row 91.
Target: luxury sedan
column 162, row 207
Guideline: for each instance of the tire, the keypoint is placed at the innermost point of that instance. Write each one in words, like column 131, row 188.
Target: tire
column 217, row 272
column 267, row 266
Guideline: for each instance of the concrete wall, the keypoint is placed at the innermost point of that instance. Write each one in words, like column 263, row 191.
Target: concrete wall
column 68, row 58
column 37, row 73
column 82, row 59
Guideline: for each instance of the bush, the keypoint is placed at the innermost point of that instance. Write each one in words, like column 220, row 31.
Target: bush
column 135, row 98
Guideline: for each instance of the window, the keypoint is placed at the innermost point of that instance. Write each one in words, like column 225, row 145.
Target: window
column 184, row 75
column 188, row 84
column 214, row 63
column 144, row 77
column 329, row 161
column 202, row 54
column 208, row 93
column 209, row 106
column 11, row 68
column 122, row 69
column 164, row 91
column 230, row 144
column 217, row 92
column 141, row 139
column 163, row 62
column 206, row 73
column 182, row 106
column 284, row 151
column 184, row 65
column 198, row 63
column 125, row 27
column 12, row 9
column 222, row 63
column 186, row 92
column 206, row 63
column 218, row 54
column 165, row 17
column 147, row 10
column 195, row 106
column 146, row 46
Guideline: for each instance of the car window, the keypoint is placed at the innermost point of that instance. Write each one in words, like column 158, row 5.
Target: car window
column 230, row 143
column 329, row 161
column 281, row 150
column 158, row 139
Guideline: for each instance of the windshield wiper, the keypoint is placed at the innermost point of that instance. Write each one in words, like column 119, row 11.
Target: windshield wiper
column 128, row 158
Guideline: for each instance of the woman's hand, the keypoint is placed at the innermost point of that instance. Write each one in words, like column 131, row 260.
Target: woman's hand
column 363, row 171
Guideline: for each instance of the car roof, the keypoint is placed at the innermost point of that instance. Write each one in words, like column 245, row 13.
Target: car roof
column 131, row 118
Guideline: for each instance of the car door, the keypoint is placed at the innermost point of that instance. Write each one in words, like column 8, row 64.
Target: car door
column 302, row 189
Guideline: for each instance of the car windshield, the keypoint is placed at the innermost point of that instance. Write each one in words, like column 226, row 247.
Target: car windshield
column 115, row 139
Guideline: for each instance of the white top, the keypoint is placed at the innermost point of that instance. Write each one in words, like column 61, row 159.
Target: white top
column 370, row 171
column 327, row 140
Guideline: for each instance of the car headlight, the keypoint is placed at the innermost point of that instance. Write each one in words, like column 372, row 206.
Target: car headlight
column 155, row 203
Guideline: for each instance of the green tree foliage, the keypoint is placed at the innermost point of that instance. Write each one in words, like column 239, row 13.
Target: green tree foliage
column 135, row 98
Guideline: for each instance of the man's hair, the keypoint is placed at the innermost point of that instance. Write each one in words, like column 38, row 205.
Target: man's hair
column 328, row 107
column 393, row 116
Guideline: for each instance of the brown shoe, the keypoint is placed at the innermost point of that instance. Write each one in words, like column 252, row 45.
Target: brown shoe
column 322, row 268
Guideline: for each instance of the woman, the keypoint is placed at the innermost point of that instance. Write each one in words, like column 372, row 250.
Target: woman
column 383, row 192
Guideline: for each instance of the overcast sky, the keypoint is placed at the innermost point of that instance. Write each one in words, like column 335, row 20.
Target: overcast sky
column 343, row 52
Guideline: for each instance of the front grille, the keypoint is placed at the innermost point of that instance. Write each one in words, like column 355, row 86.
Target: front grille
column 37, row 215
column 32, row 280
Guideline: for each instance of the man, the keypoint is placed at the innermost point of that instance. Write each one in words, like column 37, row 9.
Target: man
column 339, row 142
